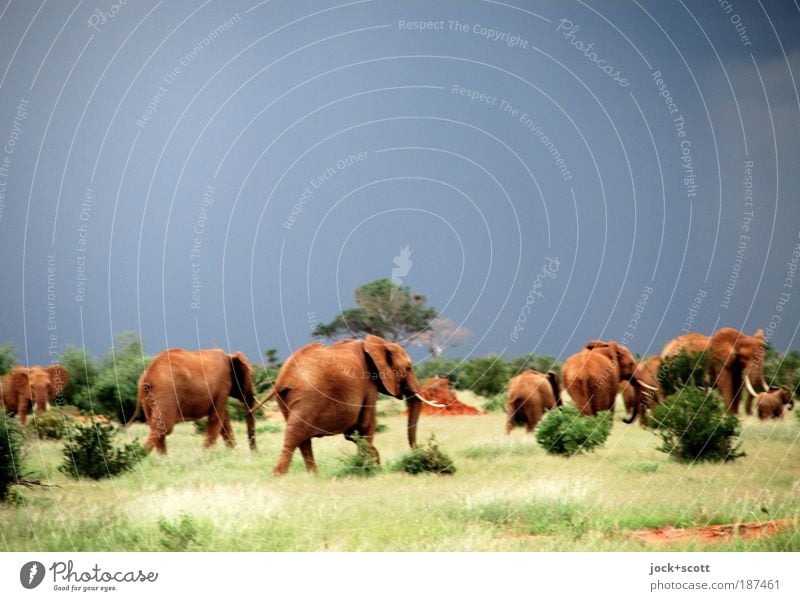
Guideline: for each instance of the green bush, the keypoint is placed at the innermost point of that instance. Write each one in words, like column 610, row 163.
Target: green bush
column 381, row 428
column 683, row 370
column 429, row 458
column 439, row 367
column 83, row 371
column 496, row 403
column 51, row 425
column 12, row 445
column 90, row 452
column 693, row 427
column 486, row 376
column 8, row 357
column 363, row 464
column 563, row 431
column 782, row 370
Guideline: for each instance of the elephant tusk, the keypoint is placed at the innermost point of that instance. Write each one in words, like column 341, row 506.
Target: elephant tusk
column 764, row 384
column 749, row 387
column 647, row 386
column 431, row 403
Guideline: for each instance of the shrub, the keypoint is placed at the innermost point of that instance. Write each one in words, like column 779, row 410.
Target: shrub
column 486, row 376
column 683, row 370
column 8, row 357
column 237, row 410
column 90, row 452
column 693, row 427
column 496, row 403
column 12, row 444
column 429, row 458
column 563, row 431
column 364, row 463
column 83, row 371
column 440, row 367
column 381, row 428
column 52, row 425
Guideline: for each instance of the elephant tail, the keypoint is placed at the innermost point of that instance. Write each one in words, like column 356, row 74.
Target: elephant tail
column 552, row 377
column 144, row 390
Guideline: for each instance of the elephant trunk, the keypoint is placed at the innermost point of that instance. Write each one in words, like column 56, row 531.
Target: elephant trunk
column 250, row 420
column 414, row 408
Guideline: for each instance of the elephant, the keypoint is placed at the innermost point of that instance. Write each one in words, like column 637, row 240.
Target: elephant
column 770, row 404
column 592, row 376
column 25, row 387
column 530, row 394
column 327, row 390
column 182, row 385
column 736, row 361
column 647, row 373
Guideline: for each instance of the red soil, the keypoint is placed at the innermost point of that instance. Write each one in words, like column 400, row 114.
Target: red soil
column 438, row 391
column 711, row 534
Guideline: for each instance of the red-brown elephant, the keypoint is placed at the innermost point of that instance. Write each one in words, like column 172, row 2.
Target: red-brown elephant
column 646, row 373
column 181, row 385
column 770, row 404
column 327, row 390
column 592, row 376
column 25, row 387
column 736, row 361
column 530, row 394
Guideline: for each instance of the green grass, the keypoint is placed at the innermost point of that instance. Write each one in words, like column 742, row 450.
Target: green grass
column 508, row 495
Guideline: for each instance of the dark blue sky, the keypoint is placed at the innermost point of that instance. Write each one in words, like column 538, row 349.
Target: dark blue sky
column 226, row 173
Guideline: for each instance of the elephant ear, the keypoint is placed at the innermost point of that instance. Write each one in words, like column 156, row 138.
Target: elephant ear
column 380, row 353
column 17, row 383
column 241, row 377
column 58, row 380
column 595, row 344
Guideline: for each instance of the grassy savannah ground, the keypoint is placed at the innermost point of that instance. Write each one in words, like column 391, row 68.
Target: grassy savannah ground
column 508, row 495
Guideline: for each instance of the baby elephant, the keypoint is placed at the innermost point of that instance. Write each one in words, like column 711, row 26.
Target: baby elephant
column 530, row 394
column 770, row 404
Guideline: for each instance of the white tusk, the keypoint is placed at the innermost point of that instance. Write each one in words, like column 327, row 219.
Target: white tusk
column 749, row 386
column 431, row 403
column 764, row 384
column 643, row 385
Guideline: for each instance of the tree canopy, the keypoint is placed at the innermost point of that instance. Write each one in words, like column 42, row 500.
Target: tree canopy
column 383, row 309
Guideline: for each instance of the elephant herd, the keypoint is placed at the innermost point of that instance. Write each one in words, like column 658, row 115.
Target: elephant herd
column 593, row 377
column 328, row 390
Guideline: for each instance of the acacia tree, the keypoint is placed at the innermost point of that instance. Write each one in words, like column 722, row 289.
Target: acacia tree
column 383, row 309
column 442, row 335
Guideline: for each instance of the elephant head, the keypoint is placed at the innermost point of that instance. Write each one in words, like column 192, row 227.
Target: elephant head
column 393, row 372
column 739, row 359
column 620, row 356
column 28, row 386
column 625, row 366
column 785, row 395
column 242, row 388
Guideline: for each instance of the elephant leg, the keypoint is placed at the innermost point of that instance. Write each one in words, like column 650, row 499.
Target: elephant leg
column 534, row 419
column 509, row 423
column 23, row 412
column 285, row 458
column 157, row 440
column 308, row 456
column 227, row 432
column 213, row 429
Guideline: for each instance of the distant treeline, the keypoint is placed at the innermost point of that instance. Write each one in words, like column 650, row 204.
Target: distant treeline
column 107, row 385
